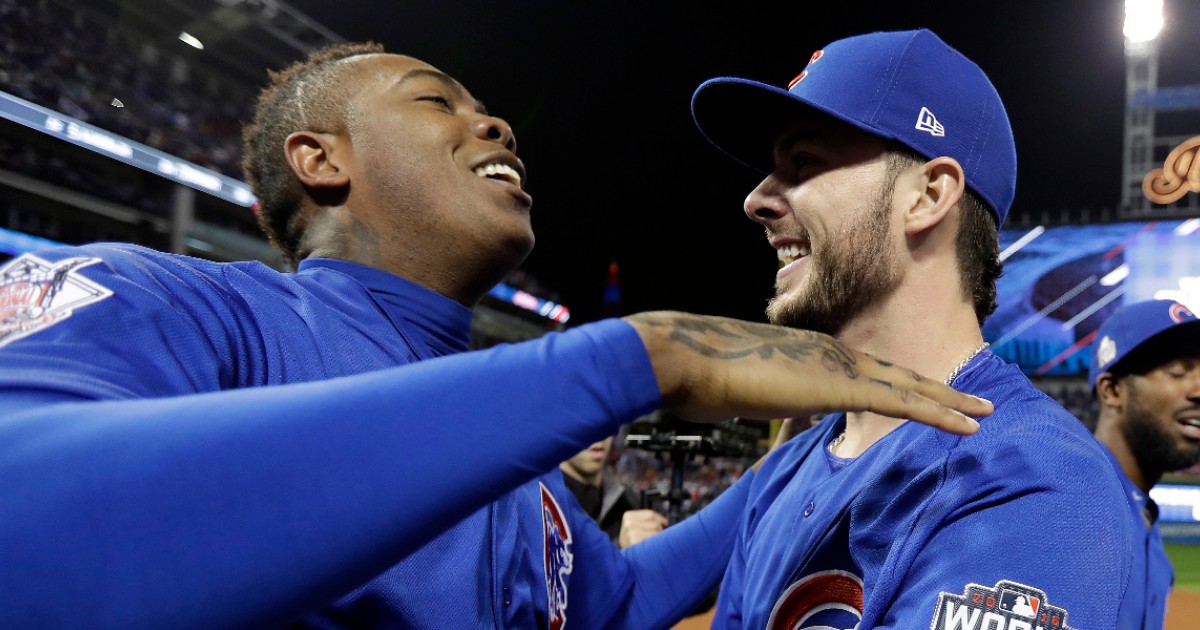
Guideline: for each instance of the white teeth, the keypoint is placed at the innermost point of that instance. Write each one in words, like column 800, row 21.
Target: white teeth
column 499, row 171
column 792, row 252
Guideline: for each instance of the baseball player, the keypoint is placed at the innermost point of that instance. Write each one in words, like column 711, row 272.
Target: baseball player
column 191, row 444
column 888, row 166
column 1145, row 373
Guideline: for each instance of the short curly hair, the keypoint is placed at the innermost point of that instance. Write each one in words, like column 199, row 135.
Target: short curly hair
column 305, row 96
column 977, row 243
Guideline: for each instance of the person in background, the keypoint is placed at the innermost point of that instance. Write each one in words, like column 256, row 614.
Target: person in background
column 1145, row 374
column 616, row 508
column 888, row 165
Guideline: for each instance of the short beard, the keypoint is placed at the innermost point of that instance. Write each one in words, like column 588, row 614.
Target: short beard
column 1155, row 447
column 847, row 277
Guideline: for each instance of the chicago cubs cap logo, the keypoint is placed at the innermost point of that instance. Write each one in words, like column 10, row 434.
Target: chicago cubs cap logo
column 558, row 558
column 1106, row 351
column 1006, row 606
column 828, row 599
column 36, row 294
column 1180, row 313
column 800, row 77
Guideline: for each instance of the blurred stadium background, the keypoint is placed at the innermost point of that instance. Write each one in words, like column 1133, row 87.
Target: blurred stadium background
column 77, row 165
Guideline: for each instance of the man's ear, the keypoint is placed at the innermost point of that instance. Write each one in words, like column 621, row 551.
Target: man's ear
column 1109, row 391
column 938, row 186
column 315, row 159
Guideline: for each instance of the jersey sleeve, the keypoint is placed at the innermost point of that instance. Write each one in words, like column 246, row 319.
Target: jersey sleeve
column 248, row 507
column 108, row 322
column 1031, row 528
column 676, row 569
column 601, row 577
column 728, row 613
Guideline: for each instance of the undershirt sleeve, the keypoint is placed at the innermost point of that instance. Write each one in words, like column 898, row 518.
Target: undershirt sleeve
column 249, row 507
column 675, row 570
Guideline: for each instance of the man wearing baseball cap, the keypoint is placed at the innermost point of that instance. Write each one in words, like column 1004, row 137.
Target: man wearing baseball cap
column 888, row 165
column 1145, row 372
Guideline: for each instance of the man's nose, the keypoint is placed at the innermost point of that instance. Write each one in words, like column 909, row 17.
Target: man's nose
column 766, row 203
column 497, row 130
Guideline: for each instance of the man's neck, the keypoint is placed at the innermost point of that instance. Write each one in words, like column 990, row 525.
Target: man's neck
column 594, row 479
column 930, row 336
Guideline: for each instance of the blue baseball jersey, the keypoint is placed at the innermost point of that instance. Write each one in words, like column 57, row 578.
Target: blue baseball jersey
column 192, row 444
column 1013, row 527
column 1153, row 575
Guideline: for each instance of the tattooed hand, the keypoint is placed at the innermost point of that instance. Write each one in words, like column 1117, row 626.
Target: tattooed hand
column 711, row 369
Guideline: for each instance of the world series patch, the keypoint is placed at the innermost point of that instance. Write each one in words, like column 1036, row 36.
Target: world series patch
column 36, row 294
column 1006, row 606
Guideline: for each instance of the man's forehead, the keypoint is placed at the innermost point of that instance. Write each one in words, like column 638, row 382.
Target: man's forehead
column 389, row 66
column 812, row 126
column 385, row 71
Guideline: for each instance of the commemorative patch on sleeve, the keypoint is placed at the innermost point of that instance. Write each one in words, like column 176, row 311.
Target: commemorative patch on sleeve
column 36, row 294
column 1006, row 606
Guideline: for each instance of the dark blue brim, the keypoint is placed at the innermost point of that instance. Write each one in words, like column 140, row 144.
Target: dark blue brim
column 743, row 118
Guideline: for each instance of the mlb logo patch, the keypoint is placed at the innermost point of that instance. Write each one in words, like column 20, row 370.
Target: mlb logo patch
column 1006, row 606
column 36, row 294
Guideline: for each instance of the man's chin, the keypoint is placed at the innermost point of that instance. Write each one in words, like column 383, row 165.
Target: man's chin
column 784, row 308
column 801, row 319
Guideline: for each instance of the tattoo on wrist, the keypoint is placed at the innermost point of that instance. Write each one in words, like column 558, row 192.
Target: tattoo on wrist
column 729, row 339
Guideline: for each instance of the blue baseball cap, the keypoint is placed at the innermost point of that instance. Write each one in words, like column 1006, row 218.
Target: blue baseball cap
column 1133, row 325
column 907, row 86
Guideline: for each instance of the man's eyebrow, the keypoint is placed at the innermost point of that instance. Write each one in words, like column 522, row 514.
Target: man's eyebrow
column 803, row 135
column 440, row 77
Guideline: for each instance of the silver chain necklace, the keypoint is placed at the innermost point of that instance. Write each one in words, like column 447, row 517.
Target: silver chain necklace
column 953, row 375
column 949, row 380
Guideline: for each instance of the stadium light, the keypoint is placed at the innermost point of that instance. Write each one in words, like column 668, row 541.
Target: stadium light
column 1143, row 23
column 1187, row 227
column 191, row 40
column 1143, row 20
column 1115, row 276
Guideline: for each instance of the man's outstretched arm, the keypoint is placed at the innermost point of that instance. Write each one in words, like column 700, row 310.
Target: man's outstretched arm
column 248, row 508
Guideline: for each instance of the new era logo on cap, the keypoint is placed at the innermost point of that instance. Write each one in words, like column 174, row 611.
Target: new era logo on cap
column 926, row 121
column 888, row 84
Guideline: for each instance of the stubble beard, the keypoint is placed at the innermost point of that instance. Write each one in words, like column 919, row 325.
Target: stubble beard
column 847, row 276
column 1156, row 448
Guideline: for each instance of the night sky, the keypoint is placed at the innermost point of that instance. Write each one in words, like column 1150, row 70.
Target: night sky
column 598, row 94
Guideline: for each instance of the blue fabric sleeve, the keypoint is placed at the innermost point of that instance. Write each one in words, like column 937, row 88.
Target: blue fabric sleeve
column 996, row 518
column 728, row 614
column 601, row 577
column 249, row 507
column 676, row 569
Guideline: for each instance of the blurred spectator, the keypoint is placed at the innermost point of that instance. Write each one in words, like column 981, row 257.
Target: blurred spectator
column 1073, row 393
column 704, row 478
column 26, row 160
column 616, row 508
column 76, row 63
